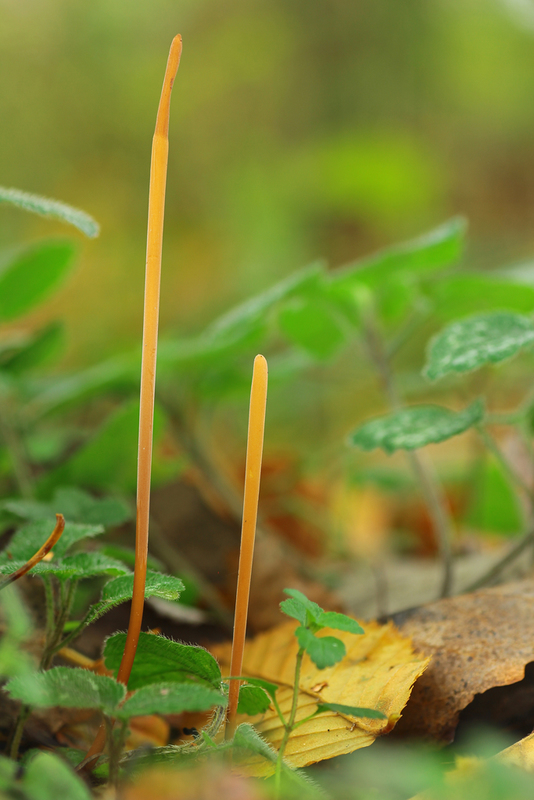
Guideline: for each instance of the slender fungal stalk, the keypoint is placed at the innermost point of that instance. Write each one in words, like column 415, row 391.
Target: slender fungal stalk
column 39, row 555
column 256, row 426
column 156, row 211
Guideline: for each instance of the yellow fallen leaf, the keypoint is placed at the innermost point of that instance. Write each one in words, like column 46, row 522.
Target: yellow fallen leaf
column 378, row 672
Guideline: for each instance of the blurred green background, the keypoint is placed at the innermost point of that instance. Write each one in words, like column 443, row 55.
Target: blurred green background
column 299, row 129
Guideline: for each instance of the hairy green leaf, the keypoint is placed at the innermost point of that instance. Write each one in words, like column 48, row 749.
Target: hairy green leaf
column 159, row 659
column 27, row 540
column 267, row 686
column 415, row 427
column 75, row 505
column 78, row 567
column 247, row 738
column 473, row 342
column 119, row 590
column 299, row 607
column 340, row 622
column 50, row 208
column 69, row 688
column 324, row 651
column 171, row 698
column 252, row 700
column 31, row 274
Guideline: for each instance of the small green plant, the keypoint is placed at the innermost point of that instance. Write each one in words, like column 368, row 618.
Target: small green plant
column 324, row 651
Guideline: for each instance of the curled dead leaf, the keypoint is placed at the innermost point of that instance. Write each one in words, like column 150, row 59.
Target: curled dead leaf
column 477, row 641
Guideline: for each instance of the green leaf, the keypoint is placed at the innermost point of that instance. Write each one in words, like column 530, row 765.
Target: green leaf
column 353, row 711
column 415, row 427
column 340, row 622
column 246, row 737
column 8, row 772
column 80, row 506
column 159, row 659
column 473, row 342
column 75, row 505
column 299, row 607
column 324, row 651
column 78, row 566
column 69, row 688
column 311, row 324
column 17, row 627
column 427, row 253
column 252, row 700
column 27, row 540
column 461, row 295
column 171, row 698
column 127, row 556
column 236, row 322
column 267, row 686
column 108, row 460
column 47, row 777
column 42, row 347
column 29, row 276
column 121, row 373
column 50, row 208
column 119, row 590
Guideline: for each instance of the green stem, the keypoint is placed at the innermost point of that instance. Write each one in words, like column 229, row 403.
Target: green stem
column 115, row 743
column 490, row 443
column 18, row 730
column 66, row 596
column 289, row 725
column 428, row 482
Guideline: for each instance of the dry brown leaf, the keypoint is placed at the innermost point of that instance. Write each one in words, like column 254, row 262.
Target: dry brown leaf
column 378, row 672
column 477, row 641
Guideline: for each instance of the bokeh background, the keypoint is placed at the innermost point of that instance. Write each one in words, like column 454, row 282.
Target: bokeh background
column 299, row 130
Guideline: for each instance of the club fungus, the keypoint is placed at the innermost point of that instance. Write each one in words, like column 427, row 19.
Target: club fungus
column 256, row 426
column 156, row 211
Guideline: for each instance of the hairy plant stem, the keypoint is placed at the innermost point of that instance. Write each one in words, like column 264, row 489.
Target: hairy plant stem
column 115, row 743
column 54, row 641
column 427, row 481
column 57, row 613
column 289, row 725
column 18, row 730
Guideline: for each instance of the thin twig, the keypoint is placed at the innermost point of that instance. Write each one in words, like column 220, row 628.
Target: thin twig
column 39, row 555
